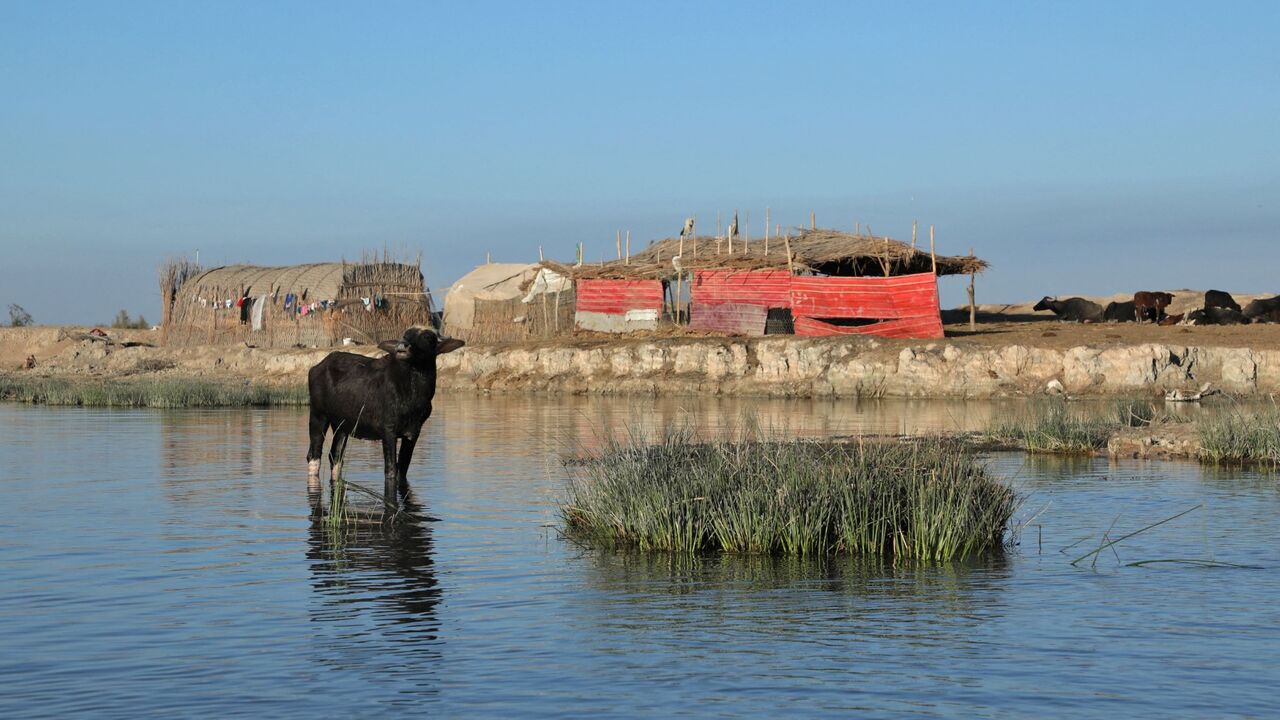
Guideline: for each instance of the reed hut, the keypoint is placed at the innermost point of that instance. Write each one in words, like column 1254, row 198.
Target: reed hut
column 817, row 282
column 312, row 305
column 509, row 302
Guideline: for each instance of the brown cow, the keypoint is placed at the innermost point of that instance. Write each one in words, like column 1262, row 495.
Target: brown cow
column 1156, row 302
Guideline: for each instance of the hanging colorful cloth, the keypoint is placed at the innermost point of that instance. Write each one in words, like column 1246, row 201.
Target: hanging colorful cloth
column 288, row 301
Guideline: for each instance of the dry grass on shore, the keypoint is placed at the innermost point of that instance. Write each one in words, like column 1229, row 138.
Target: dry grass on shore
column 148, row 392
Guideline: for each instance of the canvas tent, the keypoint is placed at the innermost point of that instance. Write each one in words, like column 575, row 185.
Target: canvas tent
column 500, row 302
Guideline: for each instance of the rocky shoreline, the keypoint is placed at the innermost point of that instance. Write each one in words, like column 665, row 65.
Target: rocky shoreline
column 823, row 367
column 699, row 366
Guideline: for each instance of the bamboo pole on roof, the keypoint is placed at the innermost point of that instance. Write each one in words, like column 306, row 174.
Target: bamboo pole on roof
column 973, row 308
column 933, row 255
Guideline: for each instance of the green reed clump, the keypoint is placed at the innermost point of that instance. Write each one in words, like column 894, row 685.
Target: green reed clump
column 1131, row 412
column 1049, row 426
column 1241, row 437
column 904, row 500
column 150, row 393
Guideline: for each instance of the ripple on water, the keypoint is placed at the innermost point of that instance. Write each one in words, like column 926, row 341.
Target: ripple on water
column 169, row 566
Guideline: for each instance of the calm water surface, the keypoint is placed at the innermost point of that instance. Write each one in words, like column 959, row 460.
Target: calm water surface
column 164, row 563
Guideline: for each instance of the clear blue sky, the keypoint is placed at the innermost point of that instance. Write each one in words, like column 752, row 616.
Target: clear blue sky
column 1080, row 147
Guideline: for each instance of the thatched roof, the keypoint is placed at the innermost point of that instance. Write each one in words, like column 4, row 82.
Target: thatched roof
column 826, row 251
column 320, row 281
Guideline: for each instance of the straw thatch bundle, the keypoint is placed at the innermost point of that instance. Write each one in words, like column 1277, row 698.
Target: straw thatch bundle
column 829, row 252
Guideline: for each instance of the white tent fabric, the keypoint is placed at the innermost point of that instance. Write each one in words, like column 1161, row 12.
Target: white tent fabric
column 492, row 281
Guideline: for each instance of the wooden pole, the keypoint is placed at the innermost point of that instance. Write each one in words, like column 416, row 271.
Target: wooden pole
column 617, row 239
column 766, row 230
column 746, row 229
column 913, row 235
column 487, row 258
column 786, row 239
column 679, row 283
column 540, row 258
column 887, row 261
column 973, row 309
column 628, row 260
column 933, row 256
column 813, row 221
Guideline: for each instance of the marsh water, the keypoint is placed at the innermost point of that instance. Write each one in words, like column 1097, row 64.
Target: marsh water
column 165, row 563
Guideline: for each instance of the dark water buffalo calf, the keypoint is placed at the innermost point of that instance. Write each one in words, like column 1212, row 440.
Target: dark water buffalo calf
column 1150, row 304
column 385, row 399
column 1265, row 310
column 1076, row 309
column 1217, row 316
column 1220, row 299
column 1119, row 311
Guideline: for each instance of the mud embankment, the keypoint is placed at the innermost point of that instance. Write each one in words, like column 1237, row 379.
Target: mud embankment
column 797, row 367
column 781, row 367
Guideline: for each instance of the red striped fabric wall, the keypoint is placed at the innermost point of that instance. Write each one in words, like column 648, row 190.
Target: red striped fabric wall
column 618, row 296
column 906, row 304
column 766, row 288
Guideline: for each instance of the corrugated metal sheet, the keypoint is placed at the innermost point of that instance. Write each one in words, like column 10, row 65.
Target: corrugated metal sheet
column 731, row 318
column 766, row 288
column 908, row 305
column 619, row 296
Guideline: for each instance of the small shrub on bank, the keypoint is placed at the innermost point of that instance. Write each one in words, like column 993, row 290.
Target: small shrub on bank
column 910, row 500
column 1049, row 426
column 1241, row 437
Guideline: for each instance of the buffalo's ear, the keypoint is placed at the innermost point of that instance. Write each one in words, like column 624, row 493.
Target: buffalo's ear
column 448, row 345
column 388, row 346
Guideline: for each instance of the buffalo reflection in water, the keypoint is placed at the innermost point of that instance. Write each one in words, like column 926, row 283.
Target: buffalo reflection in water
column 384, row 570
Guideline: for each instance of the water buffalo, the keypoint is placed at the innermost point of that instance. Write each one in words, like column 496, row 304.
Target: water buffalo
column 1217, row 316
column 1154, row 303
column 1119, row 311
column 1267, row 310
column 1076, row 309
column 1220, row 299
column 385, row 399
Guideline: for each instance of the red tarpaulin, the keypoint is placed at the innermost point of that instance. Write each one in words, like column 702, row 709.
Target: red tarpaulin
column 766, row 288
column 906, row 305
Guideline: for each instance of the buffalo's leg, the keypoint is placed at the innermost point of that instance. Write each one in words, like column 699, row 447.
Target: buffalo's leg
column 402, row 468
column 317, row 427
column 337, row 450
column 389, row 471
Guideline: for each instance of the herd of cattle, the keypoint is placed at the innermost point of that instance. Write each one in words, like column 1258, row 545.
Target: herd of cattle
column 1219, row 309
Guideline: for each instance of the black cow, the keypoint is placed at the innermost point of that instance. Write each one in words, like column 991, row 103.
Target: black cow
column 1119, row 311
column 1077, row 309
column 1265, row 310
column 1220, row 299
column 386, row 399
column 1217, row 316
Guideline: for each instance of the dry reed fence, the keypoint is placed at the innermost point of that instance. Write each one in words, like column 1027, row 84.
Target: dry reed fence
column 497, row 321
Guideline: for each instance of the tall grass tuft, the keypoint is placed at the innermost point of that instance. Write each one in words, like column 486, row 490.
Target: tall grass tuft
column 903, row 500
column 1050, row 426
column 1241, row 437
column 150, row 393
